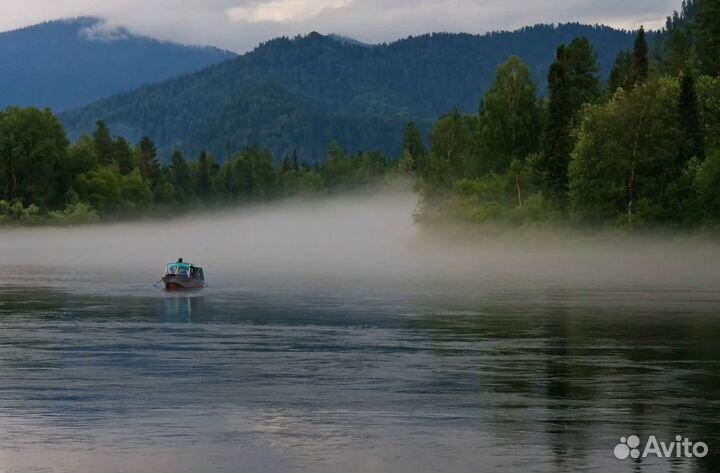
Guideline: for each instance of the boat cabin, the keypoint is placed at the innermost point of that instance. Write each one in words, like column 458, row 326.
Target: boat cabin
column 185, row 270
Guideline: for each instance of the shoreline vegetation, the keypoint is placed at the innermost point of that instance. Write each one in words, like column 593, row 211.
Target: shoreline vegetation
column 639, row 153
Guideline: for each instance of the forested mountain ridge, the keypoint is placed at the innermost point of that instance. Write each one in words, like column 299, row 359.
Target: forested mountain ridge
column 71, row 63
column 318, row 87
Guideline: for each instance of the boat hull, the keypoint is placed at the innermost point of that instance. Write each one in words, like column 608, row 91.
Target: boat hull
column 174, row 283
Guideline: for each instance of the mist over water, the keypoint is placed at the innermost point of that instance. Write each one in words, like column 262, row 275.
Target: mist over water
column 368, row 240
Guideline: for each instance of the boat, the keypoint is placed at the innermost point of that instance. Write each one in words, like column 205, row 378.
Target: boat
column 181, row 275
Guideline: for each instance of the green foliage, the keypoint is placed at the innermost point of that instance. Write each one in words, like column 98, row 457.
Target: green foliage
column 17, row 213
column 583, row 69
column 634, row 158
column 572, row 82
column 627, row 156
column 414, row 152
column 707, row 32
column 72, row 214
column 621, row 74
column 677, row 53
column 707, row 184
column 641, row 61
column 708, row 90
column 33, row 148
column 510, row 118
column 692, row 136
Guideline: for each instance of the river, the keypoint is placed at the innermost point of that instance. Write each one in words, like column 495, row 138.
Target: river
column 387, row 371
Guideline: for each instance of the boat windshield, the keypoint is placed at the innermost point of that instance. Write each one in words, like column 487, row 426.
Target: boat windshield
column 184, row 270
column 178, row 269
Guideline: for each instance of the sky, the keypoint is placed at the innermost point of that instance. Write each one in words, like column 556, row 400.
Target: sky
column 239, row 25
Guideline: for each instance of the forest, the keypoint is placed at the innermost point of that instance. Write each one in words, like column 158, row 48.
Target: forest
column 640, row 150
column 298, row 94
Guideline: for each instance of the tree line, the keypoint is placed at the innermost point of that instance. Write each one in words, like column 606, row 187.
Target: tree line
column 103, row 176
column 642, row 150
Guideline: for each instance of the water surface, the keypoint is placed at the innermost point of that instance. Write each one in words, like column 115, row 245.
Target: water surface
column 102, row 374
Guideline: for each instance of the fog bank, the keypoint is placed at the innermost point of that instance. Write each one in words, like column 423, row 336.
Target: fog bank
column 349, row 240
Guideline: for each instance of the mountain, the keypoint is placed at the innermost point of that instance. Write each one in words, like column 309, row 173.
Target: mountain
column 297, row 94
column 65, row 64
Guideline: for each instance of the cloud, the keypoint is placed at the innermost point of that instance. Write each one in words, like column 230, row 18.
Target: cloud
column 241, row 24
column 283, row 11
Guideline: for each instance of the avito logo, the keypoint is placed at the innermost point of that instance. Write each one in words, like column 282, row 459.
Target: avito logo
column 682, row 447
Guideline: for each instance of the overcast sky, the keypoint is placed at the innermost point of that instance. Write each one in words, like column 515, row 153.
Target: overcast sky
column 241, row 24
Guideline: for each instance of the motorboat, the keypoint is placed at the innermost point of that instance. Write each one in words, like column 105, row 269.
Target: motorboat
column 181, row 275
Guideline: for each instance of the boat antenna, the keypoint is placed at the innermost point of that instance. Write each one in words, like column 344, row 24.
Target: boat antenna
column 204, row 255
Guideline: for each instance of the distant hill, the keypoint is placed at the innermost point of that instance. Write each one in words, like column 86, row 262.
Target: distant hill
column 64, row 64
column 299, row 93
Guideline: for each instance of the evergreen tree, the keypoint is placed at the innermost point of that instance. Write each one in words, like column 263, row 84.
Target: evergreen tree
column 204, row 179
column 677, row 52
column 689, row 115
column 413, row 144
column 557, row 143
column 122, row 155
column 621, row 73
column 707, row 32
column 147, row 161
column 181, row 175
column 103, row 144
column 583, row 71
column 640, row 64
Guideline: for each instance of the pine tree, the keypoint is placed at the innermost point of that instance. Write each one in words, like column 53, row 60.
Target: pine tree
column 147, row 161
column 640, row 64
column 103, row 143
column 557, row 144
column 413, row 144
column 204, row 181
column 181, row 175
column 620, row 75
column 677, row 52
column 583, row 73
column 707, row 32
column 693, row 144
column 122, row 155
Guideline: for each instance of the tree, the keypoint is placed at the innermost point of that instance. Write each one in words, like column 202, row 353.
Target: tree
column 625, row 160
column 147, row 161
column 510, row 118
column 414, row 146
column 557, row 142
column 204, row 177
column 677, row 52
column 122, row 155
column 707, row 32
column 33, row 146
column 103, row 143
column 572, row 82
column 707, row 185
column 693, row 139
column 583, row 72
column 621, row 73
column 640, row 64
column 181, row 176
column 452, row 141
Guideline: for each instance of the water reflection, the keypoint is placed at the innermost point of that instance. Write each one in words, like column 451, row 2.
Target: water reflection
column 180, row 305
column 277, row 382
